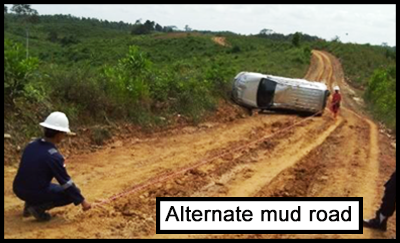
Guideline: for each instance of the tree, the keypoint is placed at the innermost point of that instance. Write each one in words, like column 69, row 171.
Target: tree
column 390, row 53
column 139, row 30
column 52, row 36
column 170, row 28
column 143, row 29
column 17, row 70
column 159, row 28
column 266, row 32
column 381, row 94
column 69, row 40
column 120, row 25
column 25, row 10
column 29, row 16
column 126, row 81
column 149, row 25
column 187, row 28
column 5, row 13
column 166, row 29
column 138, row 22
column 296, row 39
column 336, row 39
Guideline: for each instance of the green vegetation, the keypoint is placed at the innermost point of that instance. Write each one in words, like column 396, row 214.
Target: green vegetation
column 18, row 71
column 371, row 69
column 100, row 135
column 381, row 95
column 100, row 72
column 360, row 61
column 296, row 39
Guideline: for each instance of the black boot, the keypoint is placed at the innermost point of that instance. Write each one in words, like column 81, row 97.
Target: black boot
column 376, row 223
column 39, row 212
column 26, row 213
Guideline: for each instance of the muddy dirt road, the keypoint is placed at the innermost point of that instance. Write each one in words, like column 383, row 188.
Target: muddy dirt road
column 264, row 155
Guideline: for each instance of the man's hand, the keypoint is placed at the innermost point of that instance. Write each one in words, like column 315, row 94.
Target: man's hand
column 86, row 206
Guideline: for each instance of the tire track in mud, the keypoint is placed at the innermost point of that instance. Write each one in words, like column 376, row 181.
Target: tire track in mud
column 333, row 153
column 315, row 71
column 344, row 164
column 348, row 166
column 113, row 165
column 113, row 170
column 250, row 182
column 137, row 211
column 284, row 158
column 369, row 175
column 348, row 159
column 229, row 175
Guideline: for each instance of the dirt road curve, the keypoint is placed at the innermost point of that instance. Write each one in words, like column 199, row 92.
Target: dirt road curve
column 314, row 157
column 220, row 41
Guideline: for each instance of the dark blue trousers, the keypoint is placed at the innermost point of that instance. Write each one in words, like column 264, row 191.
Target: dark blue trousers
column 388, row 205
column 54, row 196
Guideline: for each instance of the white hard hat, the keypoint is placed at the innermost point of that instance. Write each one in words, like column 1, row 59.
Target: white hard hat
column 57, row 121
column 336, row 88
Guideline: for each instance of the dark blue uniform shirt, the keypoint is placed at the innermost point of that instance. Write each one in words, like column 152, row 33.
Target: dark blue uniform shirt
column 40, row 163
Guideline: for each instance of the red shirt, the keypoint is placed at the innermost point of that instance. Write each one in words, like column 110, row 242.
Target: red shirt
column 337, row 98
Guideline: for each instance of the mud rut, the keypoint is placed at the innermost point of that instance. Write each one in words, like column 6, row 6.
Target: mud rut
column 312, row 157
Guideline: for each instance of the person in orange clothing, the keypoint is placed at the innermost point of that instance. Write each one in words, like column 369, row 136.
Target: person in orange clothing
column 336, row 100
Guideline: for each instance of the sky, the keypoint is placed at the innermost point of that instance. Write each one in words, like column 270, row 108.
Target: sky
column 374, row 24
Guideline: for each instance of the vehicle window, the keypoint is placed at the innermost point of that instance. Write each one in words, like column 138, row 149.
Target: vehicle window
column 266, row 91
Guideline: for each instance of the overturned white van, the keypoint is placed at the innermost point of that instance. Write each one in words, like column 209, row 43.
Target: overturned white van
column 267, row 92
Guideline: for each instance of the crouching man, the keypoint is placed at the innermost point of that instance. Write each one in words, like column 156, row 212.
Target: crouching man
column 387, row 209
column 40, row 163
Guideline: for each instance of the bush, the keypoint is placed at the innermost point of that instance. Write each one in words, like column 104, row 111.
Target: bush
column 299, row 56
column 89, row 73
column 100, row 135
column 18, row 70
column 195, row 100
column 219, row 76
column 235, row 49
column 69, row 40
column 381, row 95
column 126, row 82
column 307, row 52
column 296, row 39
column 81, row 89
column 360, row 61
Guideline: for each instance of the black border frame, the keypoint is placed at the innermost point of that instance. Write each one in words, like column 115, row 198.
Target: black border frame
column 233, row 199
